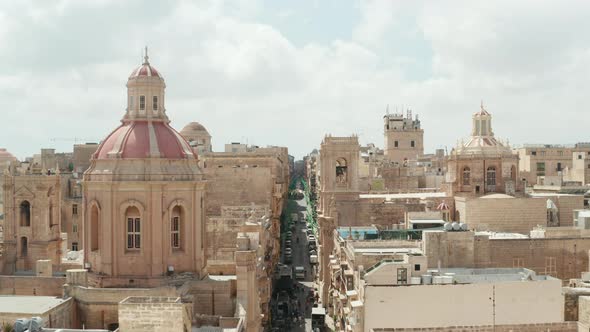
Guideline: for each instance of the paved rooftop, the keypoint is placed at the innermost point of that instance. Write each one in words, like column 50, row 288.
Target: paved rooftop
column 35, row 305
column 402, row 196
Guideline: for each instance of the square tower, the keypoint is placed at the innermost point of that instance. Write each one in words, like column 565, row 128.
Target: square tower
column 404, row 139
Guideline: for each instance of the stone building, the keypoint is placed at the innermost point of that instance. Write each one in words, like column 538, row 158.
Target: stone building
column 404, row 138
column 547, row 160
column 198, row 137
column 482, row 164
column 32, row 220
column 143, row 195
column 579, row 172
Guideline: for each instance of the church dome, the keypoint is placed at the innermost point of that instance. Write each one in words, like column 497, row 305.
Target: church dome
column 144, row 139
column 5, row 155
column 193, row 129
column 145, row 70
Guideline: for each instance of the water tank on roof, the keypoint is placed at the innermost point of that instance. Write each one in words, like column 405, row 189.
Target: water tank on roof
column 463, row 226
column 415, row 280
column 447, row 226
column 438, row 280
column 455, row 226
column 426, row 279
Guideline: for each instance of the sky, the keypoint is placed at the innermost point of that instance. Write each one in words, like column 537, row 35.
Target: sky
column 287, row 73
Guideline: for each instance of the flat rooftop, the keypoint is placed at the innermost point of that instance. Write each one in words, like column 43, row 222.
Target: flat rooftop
column 35, row 305
column 411, row 251
column 406, row 195
column 489, row 275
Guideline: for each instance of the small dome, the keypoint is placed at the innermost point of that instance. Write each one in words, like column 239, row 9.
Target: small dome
column 194, row 128
column 144, row 139
column 5, row 155
column 145, row 70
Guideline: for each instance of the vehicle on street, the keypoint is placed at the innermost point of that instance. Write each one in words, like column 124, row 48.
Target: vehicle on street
column 288, row 258
column 318, row 318
column 313, row 259
column 299, row 272
column 311, row 238
column 288, row 243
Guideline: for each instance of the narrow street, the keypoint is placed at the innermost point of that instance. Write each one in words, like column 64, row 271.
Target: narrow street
column 301, row 294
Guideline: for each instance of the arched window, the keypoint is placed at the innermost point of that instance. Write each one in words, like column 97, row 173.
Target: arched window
column 133, row 228
column 142, row 103
column 25, row 213
column 466, row 176
column 491, row 176
column 94, row 228
column 155, row 103
column 24, row 246
column 50, row 212
column 176, row 228
column 341, row 171
column 513, row 173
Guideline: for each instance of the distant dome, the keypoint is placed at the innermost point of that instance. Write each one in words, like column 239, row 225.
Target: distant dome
column 144, row 139
column 194, row 129
column 145, row 70
column 5, row 155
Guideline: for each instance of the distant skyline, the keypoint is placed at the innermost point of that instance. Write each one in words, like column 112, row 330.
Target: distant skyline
column 289, row 72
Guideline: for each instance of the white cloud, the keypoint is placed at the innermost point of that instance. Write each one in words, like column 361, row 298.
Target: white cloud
column 65, row 67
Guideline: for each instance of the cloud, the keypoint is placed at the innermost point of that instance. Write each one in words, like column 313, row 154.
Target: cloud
column 64, row 71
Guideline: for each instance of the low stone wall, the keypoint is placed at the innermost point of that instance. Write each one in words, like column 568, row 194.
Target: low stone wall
column 549, row 327
column 31, row 285
column 152, row 314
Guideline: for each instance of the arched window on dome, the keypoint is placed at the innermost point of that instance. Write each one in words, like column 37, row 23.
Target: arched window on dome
column 142, row 103
column 133, row 219
column 466, row 176
column 94, row 228
column 155, row 103
column 491, row 176
column 176, row 228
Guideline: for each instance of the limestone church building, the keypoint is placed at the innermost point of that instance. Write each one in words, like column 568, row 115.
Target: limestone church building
column 143, row 195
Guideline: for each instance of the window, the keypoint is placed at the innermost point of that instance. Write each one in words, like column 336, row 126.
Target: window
column 25, row 214
column 395, row 144
column 402, row 276
column 75, row 209
column 50, row 215
column 74, row 246
column 155, row 103
column 94, row 228
column 491, row 176
column 412, row 144
column 133, row 228
column 533, row 153
column 559, row 167
column 141, row 103
column 74, row 228
column 541, row 169
column 416, row 267
column 466, row 176
column 176, row 228
column 579, row 156
column 24, row 247
column 341, row 171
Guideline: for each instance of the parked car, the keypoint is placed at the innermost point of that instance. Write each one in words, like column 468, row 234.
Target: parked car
column 299, row 272
column 313, row 259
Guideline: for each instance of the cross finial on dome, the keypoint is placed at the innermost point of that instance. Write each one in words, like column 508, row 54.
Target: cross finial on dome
column 146, row 57
column 481, row 105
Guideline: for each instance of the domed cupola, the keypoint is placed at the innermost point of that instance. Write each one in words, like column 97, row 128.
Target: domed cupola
column 145, row 131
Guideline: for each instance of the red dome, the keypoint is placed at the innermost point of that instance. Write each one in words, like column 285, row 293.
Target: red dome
column 145, row 70
column 144, row 139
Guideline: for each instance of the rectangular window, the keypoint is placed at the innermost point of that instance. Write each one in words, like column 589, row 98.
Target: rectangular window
column 141, row 103
column 559, row 167
column 155, row 103
column 133, row 233
column 540, row 169
column 416, row 267
column 533, row 153
column 74, row 246
column 175, row 231
column 75, row 209
column 74, row 228
column 395, row 144
column 412, row 144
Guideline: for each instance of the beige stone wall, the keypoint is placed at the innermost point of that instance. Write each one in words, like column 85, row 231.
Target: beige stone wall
column 518, row 215
column 25, row 285
column 152, row 314
column 553, row 327
column 211, row 297
column 452, row 305
column 563, row 258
